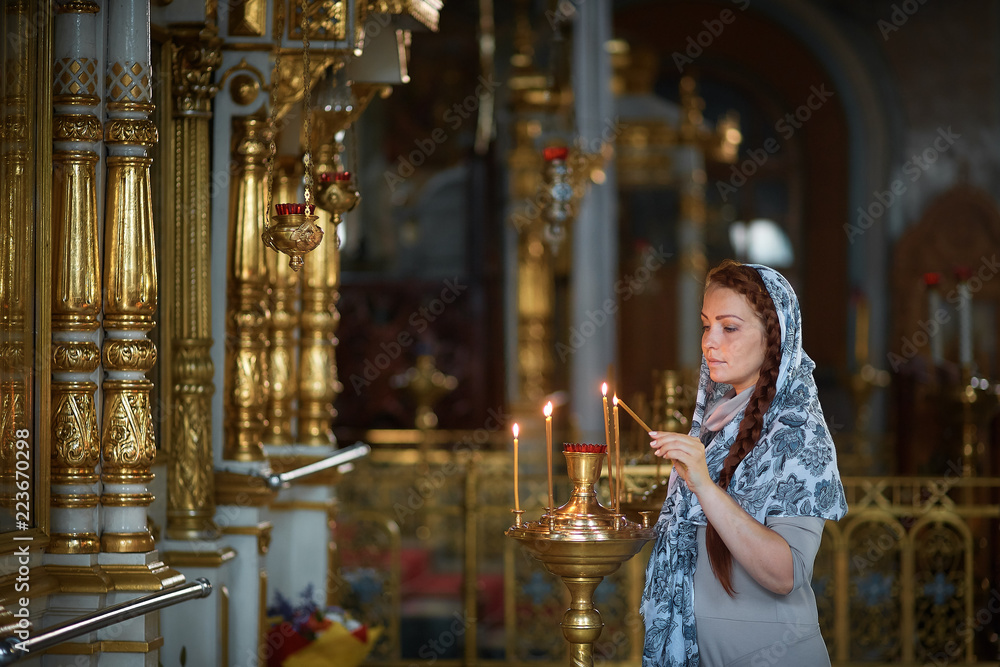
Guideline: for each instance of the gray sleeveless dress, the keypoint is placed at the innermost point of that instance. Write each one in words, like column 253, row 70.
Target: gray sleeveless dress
column 758, row 628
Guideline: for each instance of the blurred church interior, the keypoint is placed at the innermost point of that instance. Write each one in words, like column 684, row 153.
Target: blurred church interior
column 280, row 276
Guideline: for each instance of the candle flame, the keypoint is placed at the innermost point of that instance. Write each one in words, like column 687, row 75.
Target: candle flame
column 516, row 430
column 604, row 389
column 614, row 400
column 548, row 409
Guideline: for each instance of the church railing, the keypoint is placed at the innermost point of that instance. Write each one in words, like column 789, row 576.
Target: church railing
column 908, row 577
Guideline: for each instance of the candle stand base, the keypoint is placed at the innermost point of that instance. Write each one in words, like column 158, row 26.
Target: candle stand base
column 582, row 542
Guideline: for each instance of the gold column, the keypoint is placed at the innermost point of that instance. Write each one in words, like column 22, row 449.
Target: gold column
column 130, row 297
column 532, row 101
column 283, row 305
column 246, row 388
column 191, row 481
column 535, row 286
column 76, row 293
column 535, row 302
column 17, row 221
column 318, row 383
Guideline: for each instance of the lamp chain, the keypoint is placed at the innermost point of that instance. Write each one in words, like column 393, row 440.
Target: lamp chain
column 307, row 110
column 272, row 122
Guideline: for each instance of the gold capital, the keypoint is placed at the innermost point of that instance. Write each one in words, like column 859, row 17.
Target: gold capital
column 197, row 53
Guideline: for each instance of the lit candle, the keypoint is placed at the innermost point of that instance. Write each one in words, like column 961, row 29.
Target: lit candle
column 934, row 315
column 607, row 441
column 618, row 458
column 517, row 496
column 964, row 318
column 548, row 452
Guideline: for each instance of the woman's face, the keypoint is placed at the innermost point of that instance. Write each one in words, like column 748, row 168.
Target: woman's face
column 732, row 338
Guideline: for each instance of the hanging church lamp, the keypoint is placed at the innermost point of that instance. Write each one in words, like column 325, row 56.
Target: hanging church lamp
column 338, row 108
column 567, row 167
column 291, row 229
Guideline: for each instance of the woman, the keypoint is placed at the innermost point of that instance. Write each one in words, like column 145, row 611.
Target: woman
column 728, row 582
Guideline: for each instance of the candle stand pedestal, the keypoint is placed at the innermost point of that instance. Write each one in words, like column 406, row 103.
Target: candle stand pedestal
column 582, row 542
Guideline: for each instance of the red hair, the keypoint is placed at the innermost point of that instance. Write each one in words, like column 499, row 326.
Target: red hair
column 745, row 281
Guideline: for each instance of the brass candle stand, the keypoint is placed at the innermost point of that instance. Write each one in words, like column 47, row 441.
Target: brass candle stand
column 582, row 542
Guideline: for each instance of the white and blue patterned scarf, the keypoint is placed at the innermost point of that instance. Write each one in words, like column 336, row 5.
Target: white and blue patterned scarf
column 792, row 471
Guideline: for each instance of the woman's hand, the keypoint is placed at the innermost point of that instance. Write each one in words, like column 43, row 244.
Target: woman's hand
column 687, row 452
column 763, row 552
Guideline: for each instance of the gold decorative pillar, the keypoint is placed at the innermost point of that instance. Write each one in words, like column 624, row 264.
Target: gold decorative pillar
column 76, row 281
column 246, row 388
column 191, row 482
column 318, row 383
column 130, row 287
column 283, row 305
column 17, row 219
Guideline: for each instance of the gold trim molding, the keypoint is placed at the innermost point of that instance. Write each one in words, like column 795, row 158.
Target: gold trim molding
column 204, row 559
column 262, row 531
column 78, row 7
column 242, row 490
column 106, row 646
column 248, row 18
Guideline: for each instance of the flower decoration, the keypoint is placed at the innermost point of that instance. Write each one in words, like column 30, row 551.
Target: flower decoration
column 307, row 635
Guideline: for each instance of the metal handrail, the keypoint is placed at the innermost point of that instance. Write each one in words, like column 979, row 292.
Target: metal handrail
column 278, row 481
column 12, row 649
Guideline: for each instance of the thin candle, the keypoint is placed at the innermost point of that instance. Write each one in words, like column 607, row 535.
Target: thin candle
column 634, row 416
column 548, row 452
column 618, row 458
column 607, row 440
column 517, row 495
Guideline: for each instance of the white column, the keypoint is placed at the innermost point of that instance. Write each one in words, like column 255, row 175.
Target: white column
column 595, row 232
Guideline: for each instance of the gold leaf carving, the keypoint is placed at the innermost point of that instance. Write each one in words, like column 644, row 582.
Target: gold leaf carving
column 74, row 427
column 137, row 354
column 141, row 132
column 128, row 428
column 75, row 357
column 197, row 54
column 76, row 127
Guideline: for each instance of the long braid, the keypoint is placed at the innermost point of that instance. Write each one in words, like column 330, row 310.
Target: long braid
column 745, row 281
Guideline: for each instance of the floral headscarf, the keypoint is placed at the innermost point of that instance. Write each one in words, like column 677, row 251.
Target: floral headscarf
column 792, row 471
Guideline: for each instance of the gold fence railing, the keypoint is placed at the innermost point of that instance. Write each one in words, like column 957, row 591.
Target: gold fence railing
column 908, row 577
